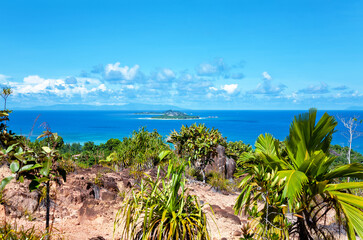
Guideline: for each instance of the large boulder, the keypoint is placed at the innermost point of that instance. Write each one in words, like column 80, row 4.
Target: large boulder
column 222, row 164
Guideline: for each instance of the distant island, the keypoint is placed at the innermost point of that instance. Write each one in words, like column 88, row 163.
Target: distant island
column 170, row 114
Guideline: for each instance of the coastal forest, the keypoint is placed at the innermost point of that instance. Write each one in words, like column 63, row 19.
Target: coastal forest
column 300, row 187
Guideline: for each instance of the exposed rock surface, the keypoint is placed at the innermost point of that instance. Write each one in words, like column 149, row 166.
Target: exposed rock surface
column 82, row 212
column 222, row 164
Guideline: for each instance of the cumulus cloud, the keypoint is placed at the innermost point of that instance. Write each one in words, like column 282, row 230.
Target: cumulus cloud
column 114, row 83
column 230, row 88
column 322, row 88
column 115, row 72
column 164, row 75
column 267, row 88
column 266, row 76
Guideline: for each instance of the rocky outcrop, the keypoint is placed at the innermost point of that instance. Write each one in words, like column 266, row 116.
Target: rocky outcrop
column 79, row 197
column 222, row 164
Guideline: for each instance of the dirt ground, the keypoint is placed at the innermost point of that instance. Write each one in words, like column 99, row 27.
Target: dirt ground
column 81, row 211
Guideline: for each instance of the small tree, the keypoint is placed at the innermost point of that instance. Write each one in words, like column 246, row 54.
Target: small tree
column 351, row 125
column 39, row 165
column 5, row 93
column 198, row 144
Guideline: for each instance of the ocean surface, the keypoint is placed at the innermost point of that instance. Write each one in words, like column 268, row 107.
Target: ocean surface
column 99, row 126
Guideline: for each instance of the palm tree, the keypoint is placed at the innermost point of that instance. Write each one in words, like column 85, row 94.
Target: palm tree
column 310, row 187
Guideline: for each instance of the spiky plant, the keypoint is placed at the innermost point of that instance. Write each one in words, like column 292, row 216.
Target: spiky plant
column 162, row 209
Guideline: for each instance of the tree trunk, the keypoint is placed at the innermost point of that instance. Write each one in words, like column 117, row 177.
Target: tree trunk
column 203, row 173
column 303, row 232
column 47, row 205
column 350, row 147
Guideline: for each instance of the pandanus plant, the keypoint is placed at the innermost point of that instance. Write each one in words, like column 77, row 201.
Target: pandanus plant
column 310, row 188
column 162, row 209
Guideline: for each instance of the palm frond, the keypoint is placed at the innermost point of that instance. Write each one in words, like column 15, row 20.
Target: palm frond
column 340, row 186
column 348, row 170
column 354, row 220
column 294, row 182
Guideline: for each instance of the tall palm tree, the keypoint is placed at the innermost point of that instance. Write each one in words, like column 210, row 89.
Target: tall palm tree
column 311, row 188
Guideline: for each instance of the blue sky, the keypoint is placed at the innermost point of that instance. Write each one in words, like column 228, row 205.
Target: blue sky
column 192, row 54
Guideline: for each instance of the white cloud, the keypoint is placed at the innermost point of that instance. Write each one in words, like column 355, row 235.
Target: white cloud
column 230, row 88
column 266, row 76
column 114, row 72
column 130, row 86
column 101, row 87
column 165, row 75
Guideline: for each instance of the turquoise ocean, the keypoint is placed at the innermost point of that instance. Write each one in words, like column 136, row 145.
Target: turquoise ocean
column 99, row 126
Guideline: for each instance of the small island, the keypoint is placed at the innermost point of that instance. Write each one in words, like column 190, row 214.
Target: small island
column 170, row 114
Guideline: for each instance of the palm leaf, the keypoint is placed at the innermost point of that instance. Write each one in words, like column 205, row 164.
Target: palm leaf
column 267, row 148
column 349, row 199
column 348, row 170
column 354, row 218
column 294, row 182
column 340, row 186
column 305, row 137
column 266, row 144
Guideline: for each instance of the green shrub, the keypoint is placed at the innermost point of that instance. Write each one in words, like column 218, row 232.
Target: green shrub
column 236, row 149
column 219, row 182
column 67, row 164
column 197, row 144
column 341, row 155
column 193, row 173
column 140, row 151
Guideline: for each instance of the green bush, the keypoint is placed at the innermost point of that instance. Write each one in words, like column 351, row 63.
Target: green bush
column 197, row 144
column 219, row 182
column 140, row 151
column 341, row 155
column 236, row 149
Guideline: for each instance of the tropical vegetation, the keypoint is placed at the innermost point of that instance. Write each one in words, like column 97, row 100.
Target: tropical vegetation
column 296, row 185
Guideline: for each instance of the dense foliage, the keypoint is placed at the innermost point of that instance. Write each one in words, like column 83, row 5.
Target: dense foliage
column 341, row 155
column 140, row 151
column 198, row 144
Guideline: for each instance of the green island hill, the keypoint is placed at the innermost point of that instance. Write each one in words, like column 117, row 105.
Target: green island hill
column 170, row 114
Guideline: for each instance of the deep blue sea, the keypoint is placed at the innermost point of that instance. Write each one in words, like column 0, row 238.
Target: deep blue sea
column 99, row 126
